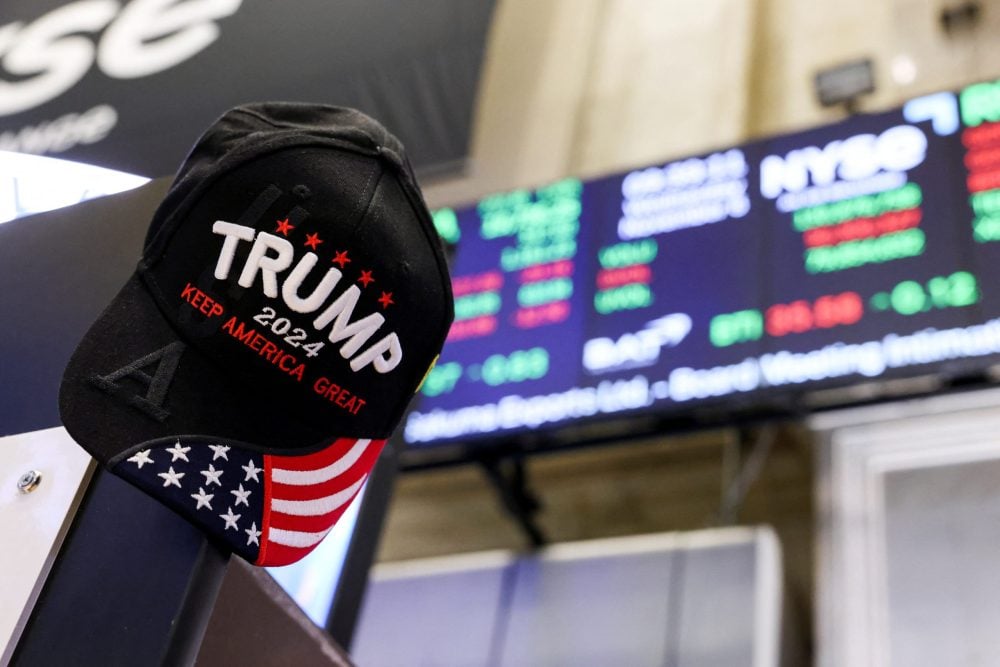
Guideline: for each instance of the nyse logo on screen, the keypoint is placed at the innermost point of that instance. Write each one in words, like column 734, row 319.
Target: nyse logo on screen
column 45, row 58
column 636, row 350
column 855, row 159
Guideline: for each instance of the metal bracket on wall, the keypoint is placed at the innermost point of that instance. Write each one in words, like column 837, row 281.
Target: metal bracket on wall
column 744, row 458
column 510, row 479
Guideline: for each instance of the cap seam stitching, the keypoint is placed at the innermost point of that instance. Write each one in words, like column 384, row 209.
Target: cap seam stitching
column 370, row 188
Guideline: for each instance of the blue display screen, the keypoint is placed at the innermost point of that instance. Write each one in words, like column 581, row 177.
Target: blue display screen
column 861, row 250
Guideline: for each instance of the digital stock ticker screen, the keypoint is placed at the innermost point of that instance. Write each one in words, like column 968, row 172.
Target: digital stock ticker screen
column 858, row 251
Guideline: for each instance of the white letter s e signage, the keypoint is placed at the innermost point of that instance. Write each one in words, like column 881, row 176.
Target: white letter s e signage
column 49, row 56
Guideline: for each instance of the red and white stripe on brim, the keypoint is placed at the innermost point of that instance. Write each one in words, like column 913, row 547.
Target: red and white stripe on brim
column 305, row 495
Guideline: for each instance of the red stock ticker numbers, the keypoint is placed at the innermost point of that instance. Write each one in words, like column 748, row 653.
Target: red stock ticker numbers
column 782, row 319
column 824, row 313
column 477, row 302
column 543, row 297
column 980, row 105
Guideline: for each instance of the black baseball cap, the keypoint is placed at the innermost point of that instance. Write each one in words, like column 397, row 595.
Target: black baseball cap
column 291, row 297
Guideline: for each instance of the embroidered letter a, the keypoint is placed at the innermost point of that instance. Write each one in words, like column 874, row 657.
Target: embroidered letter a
column 166, row 360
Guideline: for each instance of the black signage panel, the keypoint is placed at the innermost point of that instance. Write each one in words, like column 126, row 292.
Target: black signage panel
column 129, row 84
column 863, row 250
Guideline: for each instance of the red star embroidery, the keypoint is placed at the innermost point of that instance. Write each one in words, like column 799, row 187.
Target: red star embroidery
column 366, row 278
column 313, row 240
column 284, row 227
column 341, row 258
column 386, row 300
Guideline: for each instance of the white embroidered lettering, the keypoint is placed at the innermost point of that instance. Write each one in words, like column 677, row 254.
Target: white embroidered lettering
column 234, row 234
column 290, row 290
column 272, row 255
column 258, row 260
column 358, row 332
column 376, row 354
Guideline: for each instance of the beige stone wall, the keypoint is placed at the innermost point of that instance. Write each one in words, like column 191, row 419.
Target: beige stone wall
column 585, row 87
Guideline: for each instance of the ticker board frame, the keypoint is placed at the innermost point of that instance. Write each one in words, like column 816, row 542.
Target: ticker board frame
column 788, row 401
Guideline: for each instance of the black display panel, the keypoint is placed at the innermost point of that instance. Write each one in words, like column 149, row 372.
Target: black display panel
column 857, row 251
column 520, row 303
column 681, row 239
